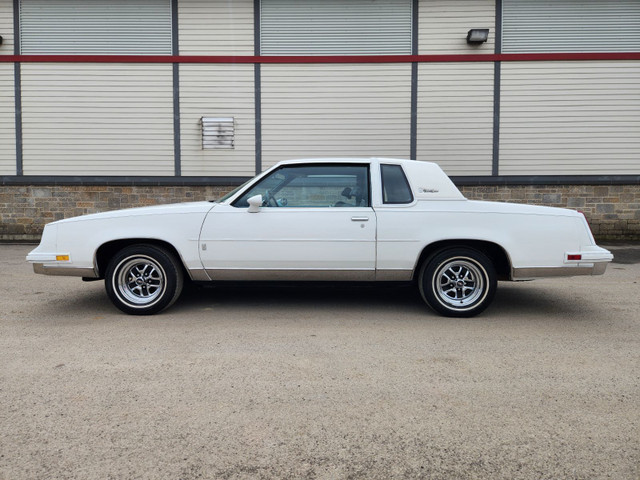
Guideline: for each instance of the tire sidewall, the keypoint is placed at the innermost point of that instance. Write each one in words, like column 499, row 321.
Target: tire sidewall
column 429, row 277
column 168, row 266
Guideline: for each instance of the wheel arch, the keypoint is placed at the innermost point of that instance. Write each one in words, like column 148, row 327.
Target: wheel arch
column 495, row 252
column 107, row 250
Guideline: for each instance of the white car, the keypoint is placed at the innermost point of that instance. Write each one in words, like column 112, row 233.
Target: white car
column 325, row 220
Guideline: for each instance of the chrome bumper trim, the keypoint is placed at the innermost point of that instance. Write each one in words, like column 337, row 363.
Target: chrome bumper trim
column 291, row 275
column 394, row 275
column 538, row 272
column 199, row 275
column 64, row 271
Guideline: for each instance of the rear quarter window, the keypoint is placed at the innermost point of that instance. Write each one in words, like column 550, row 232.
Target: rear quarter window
column 395, row 186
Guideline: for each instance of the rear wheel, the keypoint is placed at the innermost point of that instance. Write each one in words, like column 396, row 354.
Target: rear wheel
column 143, row 279
column 458, row 282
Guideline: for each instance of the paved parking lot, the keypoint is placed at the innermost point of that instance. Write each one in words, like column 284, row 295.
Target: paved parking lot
column 330, row 382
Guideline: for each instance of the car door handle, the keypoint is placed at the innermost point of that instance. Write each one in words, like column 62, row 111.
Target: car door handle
column 359, row 219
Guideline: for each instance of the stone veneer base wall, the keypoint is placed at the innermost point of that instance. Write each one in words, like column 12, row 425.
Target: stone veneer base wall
column 613, row 211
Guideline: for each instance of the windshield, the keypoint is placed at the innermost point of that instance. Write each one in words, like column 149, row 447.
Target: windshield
column 231, row 193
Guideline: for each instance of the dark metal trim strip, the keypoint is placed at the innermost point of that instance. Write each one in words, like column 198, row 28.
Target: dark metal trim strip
column 17, row 81
column 413, row 134
column 177, row 148
column 257, row 84
column 17, row 86
column 498, row 39
column 120, row 180
column 497, row 72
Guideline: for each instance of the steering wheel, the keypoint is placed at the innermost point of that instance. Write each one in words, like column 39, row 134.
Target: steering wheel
column 270, row 200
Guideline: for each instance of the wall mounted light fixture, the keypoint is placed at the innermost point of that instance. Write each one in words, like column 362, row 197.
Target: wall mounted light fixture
column 476, row 36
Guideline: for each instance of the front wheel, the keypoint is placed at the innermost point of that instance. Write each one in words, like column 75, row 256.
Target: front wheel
column 458, row 282
column 143, row 279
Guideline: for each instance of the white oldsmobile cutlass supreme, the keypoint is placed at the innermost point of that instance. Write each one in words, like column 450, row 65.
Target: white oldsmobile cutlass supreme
column 325, row 220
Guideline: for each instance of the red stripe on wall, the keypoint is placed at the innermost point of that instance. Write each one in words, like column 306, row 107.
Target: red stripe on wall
column 503, row 57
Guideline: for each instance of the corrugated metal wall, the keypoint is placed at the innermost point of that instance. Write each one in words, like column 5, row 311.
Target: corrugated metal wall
column 95, row 27
column 7, row 121
column 216, row 27
column 556, row 117
column 7, row 94
column 205, row 90
column 6, row 27
column 92, row 119
column 335, row 110
column 570, row 118
column 443, row 25
column 571, row 26
column 455, row 116
column 335, row 27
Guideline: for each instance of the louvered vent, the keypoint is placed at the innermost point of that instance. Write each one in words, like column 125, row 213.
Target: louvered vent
column 218, row 132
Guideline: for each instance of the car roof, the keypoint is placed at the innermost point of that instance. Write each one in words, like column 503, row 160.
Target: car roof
column 347, row 160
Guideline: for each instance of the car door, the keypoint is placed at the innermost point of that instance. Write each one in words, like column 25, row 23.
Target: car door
column 315, row 222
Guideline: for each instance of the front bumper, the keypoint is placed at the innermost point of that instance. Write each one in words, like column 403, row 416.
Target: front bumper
column 48, row 264
column 64, row 270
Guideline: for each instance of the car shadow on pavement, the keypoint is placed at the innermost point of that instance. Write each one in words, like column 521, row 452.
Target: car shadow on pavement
column 511, row 301
column 294, row 296
column 259, row 299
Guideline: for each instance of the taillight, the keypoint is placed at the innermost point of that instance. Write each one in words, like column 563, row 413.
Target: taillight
column 574, row 257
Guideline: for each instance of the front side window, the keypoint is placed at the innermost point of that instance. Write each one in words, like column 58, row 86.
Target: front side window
column 312, row 186
column 395, row 187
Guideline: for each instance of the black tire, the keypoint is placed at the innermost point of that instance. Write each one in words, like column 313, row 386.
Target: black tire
column 143, row 279
column 458, row 282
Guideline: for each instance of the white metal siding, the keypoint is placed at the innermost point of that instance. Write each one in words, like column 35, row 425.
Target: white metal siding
column 335, row 27
column 570, row 118
column 215, row 27
column 455, row 116
column 7, row 121
column 92, row 119
column 443, row 26
column 6, row 27
column 571, row 26
column 335, row 110
column 95, row 26
column 217, row 91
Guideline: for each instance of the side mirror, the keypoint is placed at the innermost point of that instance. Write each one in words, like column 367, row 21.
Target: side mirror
column 255, row 203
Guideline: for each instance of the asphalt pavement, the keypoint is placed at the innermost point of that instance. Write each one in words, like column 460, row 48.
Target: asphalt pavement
column 326, row 382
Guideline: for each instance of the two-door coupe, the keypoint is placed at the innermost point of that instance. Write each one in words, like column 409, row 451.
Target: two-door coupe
column 325, row 220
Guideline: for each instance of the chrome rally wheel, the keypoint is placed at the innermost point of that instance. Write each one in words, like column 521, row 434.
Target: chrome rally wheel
column 458, row 282
column 140, row 280
column 143, row 279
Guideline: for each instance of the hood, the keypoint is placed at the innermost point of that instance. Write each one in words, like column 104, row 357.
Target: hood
column 173, row 208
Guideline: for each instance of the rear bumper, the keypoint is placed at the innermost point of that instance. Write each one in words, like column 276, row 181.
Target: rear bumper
column 528, row 273
column 593, row 261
